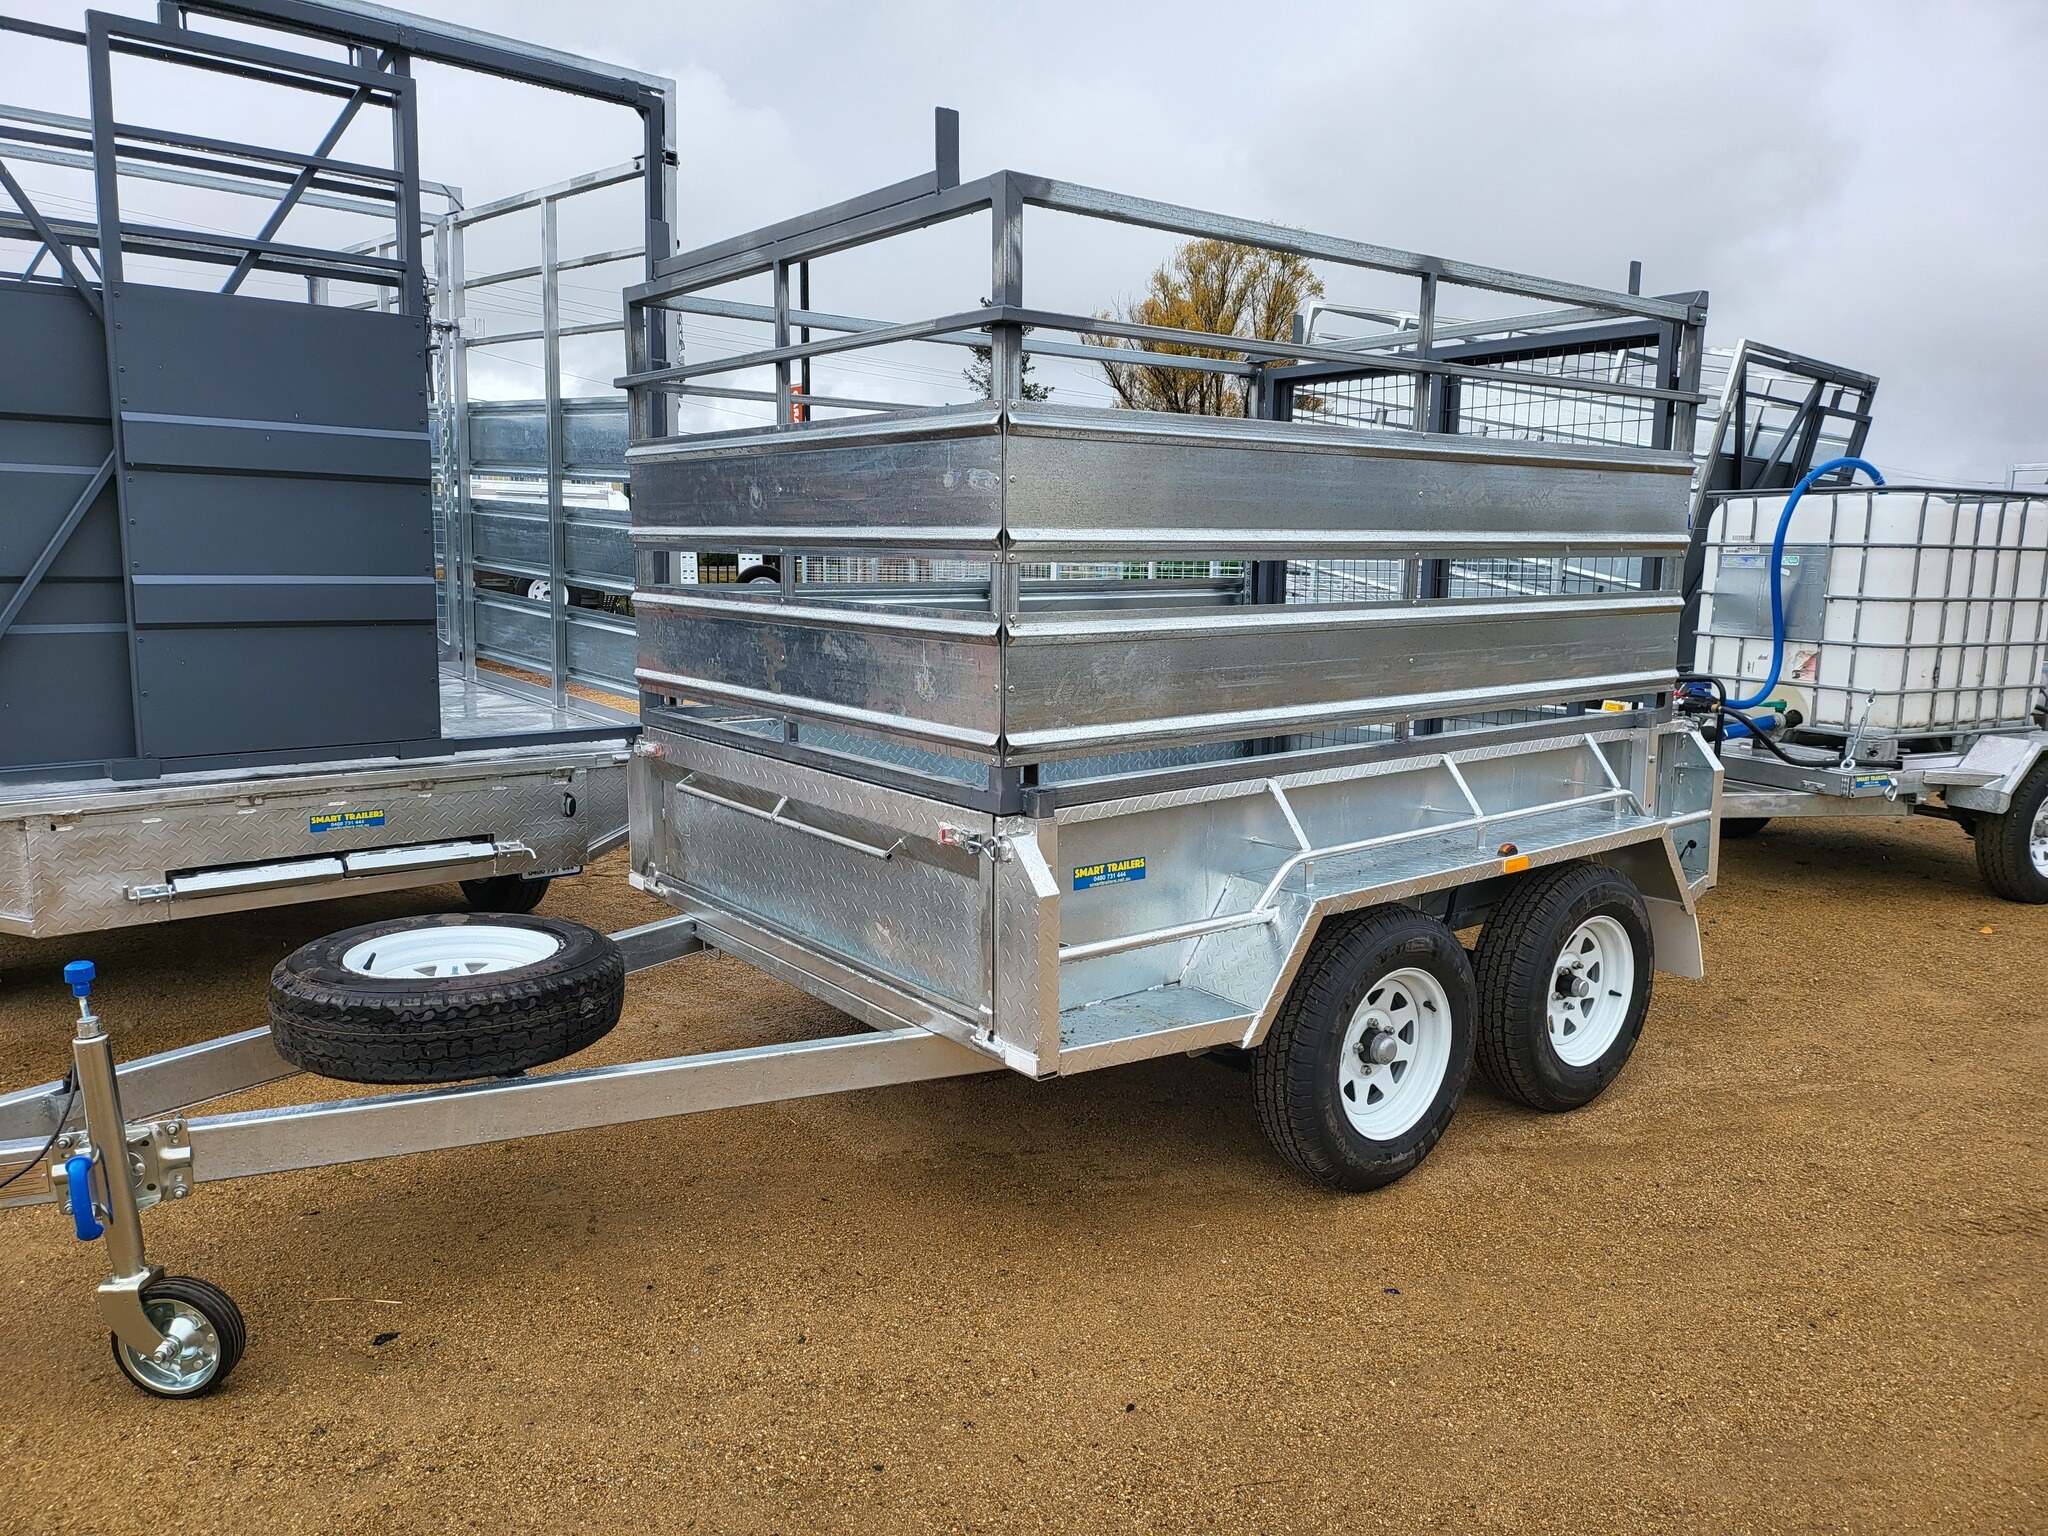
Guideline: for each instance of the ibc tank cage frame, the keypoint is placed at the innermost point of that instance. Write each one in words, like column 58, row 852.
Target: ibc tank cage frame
column 1011, row 605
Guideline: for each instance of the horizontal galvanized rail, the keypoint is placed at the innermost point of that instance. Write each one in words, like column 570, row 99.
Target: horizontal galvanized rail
column 879, row 216
column 941, row 329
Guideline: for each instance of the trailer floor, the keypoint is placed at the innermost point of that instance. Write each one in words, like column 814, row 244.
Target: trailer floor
column 1791, row 1273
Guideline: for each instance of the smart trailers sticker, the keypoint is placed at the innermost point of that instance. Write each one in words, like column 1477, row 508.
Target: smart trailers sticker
column 342, row 821
column 1109, row 872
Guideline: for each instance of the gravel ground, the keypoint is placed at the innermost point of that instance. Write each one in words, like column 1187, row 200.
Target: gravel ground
column 1788, row 1274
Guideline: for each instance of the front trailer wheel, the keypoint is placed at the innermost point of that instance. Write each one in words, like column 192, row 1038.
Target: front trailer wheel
column 1366, row 1063
column 203, row 1327
column 2012, row 849
column 1564, row 970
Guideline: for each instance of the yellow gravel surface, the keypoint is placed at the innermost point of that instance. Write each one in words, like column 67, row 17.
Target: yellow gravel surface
column 1788, row 1274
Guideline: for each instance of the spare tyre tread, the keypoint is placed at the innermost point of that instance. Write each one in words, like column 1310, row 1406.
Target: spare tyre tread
column 362, row 1029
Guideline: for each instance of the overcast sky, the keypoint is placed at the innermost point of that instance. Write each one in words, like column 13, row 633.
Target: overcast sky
column 1863, row 181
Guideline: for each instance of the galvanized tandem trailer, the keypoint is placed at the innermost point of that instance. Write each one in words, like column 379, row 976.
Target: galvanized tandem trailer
column 1065, row 738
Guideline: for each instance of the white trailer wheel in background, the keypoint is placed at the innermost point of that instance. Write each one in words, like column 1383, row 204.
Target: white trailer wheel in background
column 1563, row 970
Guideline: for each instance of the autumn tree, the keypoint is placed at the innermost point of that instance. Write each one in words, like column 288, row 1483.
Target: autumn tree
column 1219, row 287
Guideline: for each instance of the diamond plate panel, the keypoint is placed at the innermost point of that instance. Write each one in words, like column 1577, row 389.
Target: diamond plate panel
column 83, row 849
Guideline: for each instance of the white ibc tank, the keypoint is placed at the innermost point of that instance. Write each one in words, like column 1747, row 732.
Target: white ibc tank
column 1911, row 611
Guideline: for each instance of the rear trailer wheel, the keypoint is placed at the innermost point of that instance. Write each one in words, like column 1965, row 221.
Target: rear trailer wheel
column 1739, row 827
column 504, row 893
column 1564, row 969
column 204, row 1333
column 2012, row 850
column 1366, row 1063
column 443, row 999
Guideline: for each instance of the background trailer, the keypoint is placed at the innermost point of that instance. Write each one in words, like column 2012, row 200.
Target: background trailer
column 240, row 628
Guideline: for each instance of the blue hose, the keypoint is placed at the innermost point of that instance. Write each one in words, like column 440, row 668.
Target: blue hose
column 1778, row 571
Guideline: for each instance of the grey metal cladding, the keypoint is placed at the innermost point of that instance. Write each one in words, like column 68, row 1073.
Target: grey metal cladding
column 56, row 354
column 318, row 528
column 212, row 381
column 275, row 474
column 1082, row 687
column 934, row 680
column 64, row 689
column 241, row 359
column 267, row 445
column 64, row 695
column 1248, row 487
column 215, row 691
column 301, row 600
column 939, row 488
column 34, row 498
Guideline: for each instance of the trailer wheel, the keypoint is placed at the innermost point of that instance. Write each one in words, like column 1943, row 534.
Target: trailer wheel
column 208, row 1328
column 444, row 999
column 1564, row 970
column 1739, row 827
column 2012, row 850
column 1366, row 1063
column 504, row 893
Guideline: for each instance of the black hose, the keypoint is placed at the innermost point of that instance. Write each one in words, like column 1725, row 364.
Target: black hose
column 64, row 1114
column 1762, row 738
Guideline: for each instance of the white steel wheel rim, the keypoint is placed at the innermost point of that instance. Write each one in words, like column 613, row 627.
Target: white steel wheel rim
column 1591, row 987
column 449, row 950
column 2037, row 841
column 1384, row 1099
column 189, row 1361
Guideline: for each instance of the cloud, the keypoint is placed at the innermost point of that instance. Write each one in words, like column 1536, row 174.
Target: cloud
column 1858, row 179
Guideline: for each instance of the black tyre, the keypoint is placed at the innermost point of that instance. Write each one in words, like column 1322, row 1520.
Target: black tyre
column 1366, row 1063
column 2012, row 850
column 1739, row 827
column 504, row 893
column 760, row 573
column 208, row 1325
column 1564, row 967
column 443, row 999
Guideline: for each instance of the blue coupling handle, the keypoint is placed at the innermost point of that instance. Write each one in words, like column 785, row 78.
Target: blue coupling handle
column 79, row 975
column 78, row 1179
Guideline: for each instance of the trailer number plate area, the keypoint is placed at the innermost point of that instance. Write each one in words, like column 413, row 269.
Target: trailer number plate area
column 1109, row 872
column 341, row 821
